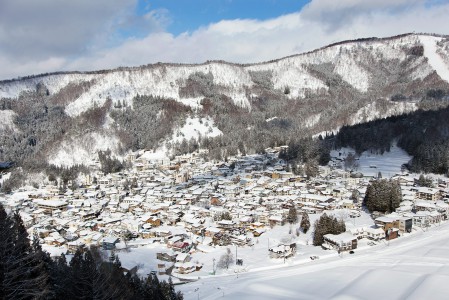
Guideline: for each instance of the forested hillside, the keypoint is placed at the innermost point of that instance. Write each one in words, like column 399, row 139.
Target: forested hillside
column 66, row 119
column 423, row 134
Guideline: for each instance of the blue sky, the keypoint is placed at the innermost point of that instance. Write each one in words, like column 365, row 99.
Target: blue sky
column 53, row 35
column 190, row 15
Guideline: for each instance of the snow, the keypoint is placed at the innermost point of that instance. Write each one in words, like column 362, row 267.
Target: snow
column 194, row 103
column 434, row 59
column 54, row 83
column 196, row 127
column 352, row 73
column 155, row 155
column 414, row 266
column 371, row 112
column 370, row 164
column 7, row 120
column 420, row 69
column 161, row 81
column 349, row 60
column 144, row 258
column 312, row 120
column 83, row 149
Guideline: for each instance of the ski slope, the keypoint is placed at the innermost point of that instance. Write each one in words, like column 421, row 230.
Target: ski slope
column 435, row 60
column 412, row 267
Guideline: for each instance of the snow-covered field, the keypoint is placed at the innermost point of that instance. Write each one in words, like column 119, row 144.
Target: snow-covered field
column 370, row 164
column 411, row 267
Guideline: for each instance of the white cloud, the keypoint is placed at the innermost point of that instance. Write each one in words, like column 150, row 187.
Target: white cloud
column 46, row 35
column 319, row 23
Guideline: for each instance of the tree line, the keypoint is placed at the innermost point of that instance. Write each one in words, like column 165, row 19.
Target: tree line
column 422, row 134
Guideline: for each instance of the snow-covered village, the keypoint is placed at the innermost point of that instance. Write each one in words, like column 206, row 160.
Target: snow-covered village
column 256, row 149
column 188, row 219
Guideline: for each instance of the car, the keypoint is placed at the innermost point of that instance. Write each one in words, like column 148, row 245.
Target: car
column 351, row 252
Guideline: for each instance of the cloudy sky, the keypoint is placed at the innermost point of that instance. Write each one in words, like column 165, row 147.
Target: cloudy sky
column 54, row 35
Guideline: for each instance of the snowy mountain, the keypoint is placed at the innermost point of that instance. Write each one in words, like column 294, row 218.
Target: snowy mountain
column 344, row 83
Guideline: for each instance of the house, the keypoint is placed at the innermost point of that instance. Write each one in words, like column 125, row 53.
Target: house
column 405, row 224
column 375, row 234
column 186, row 268
column 49, row 206
column 341, row 242
column 386, row 223
column 182, row 258
column 165, row 256
column 282, row 251
column 421, row 219
column 275, row 220
column 211, row 231
column 359, row 232
column 391, row 233
column 181, row 246
column 225, row 224
column 75, row 245
column 426, row 193
column 110, row 242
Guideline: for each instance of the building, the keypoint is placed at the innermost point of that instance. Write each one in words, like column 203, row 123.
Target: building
column 110, row 242
column 426, row 193
column 341, row 242
column 405, row 224
column 49, row 206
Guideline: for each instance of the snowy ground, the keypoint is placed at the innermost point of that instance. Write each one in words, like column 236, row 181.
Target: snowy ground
column 411, row 267
column 196, row 127
column 435, row 60
column 371, row 164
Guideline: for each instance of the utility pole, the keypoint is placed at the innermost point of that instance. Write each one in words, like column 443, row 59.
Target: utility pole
column 236, row 254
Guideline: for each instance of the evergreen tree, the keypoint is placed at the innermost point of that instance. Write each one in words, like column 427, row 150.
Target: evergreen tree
column 326, row 225
column 383, row 195
column 24, row 276
column 292, row 215
column 6, row 247
column 424, row 181
column 305, row 222
column 311, row 169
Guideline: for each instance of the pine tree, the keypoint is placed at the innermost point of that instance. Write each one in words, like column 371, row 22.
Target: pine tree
column 63, row 285
column 326, row 225
column 6, row 247
column 292, row 215
column 23, row 278
column 305, row 222
column 383, row 195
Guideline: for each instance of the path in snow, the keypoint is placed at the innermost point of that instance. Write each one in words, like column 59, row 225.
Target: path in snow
column 435, row 60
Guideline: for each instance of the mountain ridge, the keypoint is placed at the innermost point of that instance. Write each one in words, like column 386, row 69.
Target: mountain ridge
column 169, row 64
column 252, row 105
